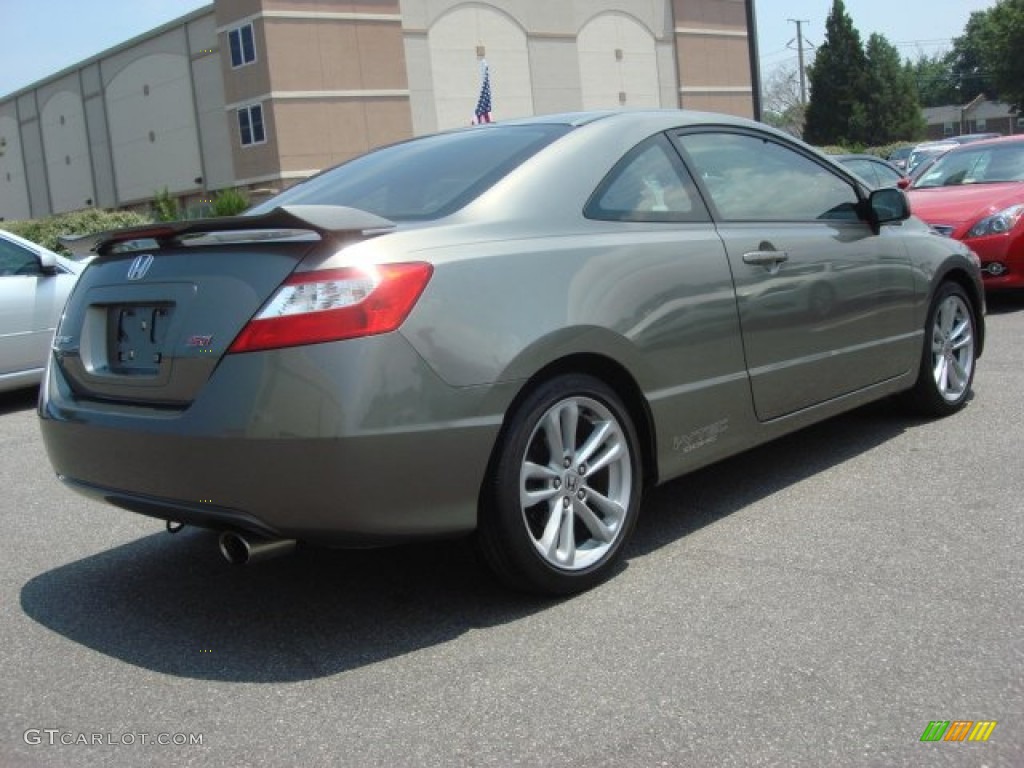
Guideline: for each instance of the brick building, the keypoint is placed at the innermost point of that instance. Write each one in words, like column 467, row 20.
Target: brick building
column 258, row 94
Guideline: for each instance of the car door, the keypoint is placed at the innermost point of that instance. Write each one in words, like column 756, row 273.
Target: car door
column 825, row 303
column 660, row 270
column 31, row 301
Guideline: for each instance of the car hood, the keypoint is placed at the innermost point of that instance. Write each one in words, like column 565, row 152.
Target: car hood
column 970, row 202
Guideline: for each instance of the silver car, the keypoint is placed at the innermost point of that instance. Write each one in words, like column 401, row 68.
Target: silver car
column 34, row 285
column 510, row 330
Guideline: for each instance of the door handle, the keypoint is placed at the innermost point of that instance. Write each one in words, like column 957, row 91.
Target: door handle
column 770, row 259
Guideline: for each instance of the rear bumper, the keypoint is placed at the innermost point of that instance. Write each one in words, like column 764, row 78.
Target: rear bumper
column 352, row 442
column 197, row 514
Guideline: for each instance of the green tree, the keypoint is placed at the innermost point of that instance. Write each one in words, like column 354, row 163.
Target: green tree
column 165, row 207
column 968, row 60
column 893, row 111
column 1001, row 51
column 837, row 112
column 933, row 77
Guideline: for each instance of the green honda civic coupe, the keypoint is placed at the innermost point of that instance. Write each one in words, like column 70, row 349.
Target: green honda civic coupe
column 509, row 331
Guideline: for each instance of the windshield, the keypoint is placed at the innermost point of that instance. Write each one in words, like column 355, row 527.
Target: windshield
column 921, row 154
column 424, row 178
column 975, row 165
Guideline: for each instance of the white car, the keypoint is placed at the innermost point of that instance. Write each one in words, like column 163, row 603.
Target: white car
column 926, row 151
column 34, row 286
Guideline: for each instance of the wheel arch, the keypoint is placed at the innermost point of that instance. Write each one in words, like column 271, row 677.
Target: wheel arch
column 616, row 376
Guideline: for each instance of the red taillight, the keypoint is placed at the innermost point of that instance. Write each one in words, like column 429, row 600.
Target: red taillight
column 334, row 304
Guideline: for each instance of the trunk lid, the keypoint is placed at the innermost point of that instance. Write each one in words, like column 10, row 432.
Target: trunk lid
column 159, row 306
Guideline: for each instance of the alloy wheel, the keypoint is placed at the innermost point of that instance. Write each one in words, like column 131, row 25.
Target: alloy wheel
column 575, row 483
column 952, row 347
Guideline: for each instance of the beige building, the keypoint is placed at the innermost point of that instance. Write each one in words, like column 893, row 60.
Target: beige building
column 261, row 93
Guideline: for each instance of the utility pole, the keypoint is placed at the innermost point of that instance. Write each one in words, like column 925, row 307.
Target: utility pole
column 800, row 54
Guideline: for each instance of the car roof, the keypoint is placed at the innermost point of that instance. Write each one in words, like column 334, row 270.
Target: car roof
column 650, row 121
column 968, row 138
column 669, row 117
column 1014, row 139
column 936, row 144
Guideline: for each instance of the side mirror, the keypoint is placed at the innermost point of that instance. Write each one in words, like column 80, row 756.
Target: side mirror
column 886, row 205
column 904, row 183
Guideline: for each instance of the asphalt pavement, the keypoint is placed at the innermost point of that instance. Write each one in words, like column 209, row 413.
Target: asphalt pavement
column 815, row 602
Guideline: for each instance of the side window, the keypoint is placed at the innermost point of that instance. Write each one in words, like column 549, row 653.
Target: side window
column 865, row 169
column 250, row 125
column 242, row 45
column 648, row 184
column 15, row 260
column 756, row 179
column 887, row 177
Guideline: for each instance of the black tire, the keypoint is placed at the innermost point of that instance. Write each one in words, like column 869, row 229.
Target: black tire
column 550, row 546
column 948, row 354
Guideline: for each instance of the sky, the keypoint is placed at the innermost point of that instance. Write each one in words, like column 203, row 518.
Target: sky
column 913, row 26
column 41, row 37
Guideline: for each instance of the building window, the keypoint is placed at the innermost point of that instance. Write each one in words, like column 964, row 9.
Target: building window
column 243, row 47
column 947, row 129
column 980, row 124
column 250, row 125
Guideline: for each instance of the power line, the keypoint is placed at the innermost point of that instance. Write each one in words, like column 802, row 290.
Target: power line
column 933, row 41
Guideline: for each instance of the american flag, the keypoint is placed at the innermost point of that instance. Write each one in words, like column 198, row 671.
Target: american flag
column 483, row 104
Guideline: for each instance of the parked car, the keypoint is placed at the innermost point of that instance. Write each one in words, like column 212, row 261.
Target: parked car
column 34, row 284
column 899, row 156
column 926, row 151
column 975, row 193
column 874, row 170
column 512, row 330
column 921, row 169
column 967, row 138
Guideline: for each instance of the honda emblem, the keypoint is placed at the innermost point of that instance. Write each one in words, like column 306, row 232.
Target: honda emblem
column 140, row 266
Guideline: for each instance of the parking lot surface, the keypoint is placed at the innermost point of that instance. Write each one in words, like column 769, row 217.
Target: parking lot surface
column 818, row 601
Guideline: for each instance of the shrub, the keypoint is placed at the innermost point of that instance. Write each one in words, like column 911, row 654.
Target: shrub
column 229, row 202
column 883, row 151
column 165, row 207
column 85, row 222
column 887, row 149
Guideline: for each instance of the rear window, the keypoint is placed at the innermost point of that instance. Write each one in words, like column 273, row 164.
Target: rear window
column 424, row 178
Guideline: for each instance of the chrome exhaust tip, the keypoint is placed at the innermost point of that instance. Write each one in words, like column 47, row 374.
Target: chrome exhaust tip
column 242, row 550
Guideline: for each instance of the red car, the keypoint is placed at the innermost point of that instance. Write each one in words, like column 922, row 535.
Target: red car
column 975, row 193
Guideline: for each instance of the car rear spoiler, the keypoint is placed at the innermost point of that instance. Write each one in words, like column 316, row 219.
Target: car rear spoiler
column 320, row 219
